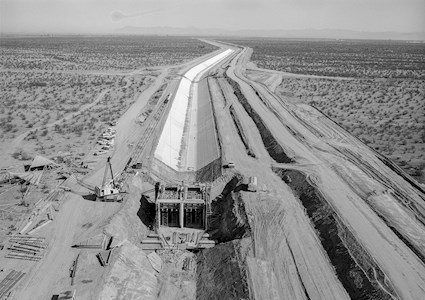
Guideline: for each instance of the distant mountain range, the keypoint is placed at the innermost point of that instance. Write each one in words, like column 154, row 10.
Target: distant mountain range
column 302, row 33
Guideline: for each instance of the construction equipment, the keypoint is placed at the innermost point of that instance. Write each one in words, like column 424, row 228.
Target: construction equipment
column 252, row 185
column 108, row 191
column 230, row 165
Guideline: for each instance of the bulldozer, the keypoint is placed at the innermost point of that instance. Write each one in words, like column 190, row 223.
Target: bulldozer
column 109, row 190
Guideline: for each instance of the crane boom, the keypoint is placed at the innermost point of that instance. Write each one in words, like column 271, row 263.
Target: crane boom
column 105, row 174
column 112, row 173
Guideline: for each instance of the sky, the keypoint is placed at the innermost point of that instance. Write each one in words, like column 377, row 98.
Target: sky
column 106, row 16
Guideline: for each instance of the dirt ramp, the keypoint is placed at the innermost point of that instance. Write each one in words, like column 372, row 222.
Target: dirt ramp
column 177, row 279
column 126, row 224
column 131, row 276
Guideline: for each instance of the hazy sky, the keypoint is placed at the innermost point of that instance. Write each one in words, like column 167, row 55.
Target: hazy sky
column 104, row 16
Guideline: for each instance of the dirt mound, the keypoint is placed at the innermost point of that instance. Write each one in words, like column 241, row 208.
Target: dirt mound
column 241, row 132
column 131, row 276
column 177, row 279
column 273, row 147
column 228, row 220
column 360, row 275
column 221, row 272
column 126, row 224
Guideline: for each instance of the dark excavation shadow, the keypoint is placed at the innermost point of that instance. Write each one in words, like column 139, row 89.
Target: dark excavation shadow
column 146, row 212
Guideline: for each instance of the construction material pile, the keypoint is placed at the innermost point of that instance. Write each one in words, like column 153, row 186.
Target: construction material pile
column 26, row 247
column 99, row 241
column 9, row 283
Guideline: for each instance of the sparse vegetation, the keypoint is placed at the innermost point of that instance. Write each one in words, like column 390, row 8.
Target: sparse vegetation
column 382, row 102
column 388, row 115
column 21, row 155
column 97, row 53
column 59, row 89
column 343, row 58
column 35, row 107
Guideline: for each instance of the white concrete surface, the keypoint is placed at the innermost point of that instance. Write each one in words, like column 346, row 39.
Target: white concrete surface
column 202, row 144
column 173, row 139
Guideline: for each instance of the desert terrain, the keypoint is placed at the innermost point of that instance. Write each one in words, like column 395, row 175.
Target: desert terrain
column 328, row 217
column 373, row 89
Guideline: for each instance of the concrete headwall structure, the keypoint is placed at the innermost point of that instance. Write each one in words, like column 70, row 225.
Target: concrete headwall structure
column 159, row 171
column 188, row 140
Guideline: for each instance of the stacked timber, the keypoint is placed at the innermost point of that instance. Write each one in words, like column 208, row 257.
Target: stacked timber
column 205, row 242
column 9, row 283
column 190, row 240
column 152, row 242
column 26, row 247
column 100, row 241
column 40, row 225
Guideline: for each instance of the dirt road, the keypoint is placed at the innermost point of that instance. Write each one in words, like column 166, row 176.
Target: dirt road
column 331, row 219
column 79, row 218
column 51, row 274
column 361, row 194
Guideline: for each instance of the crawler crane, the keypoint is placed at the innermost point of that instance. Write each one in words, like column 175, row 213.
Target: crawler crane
column 108, row 191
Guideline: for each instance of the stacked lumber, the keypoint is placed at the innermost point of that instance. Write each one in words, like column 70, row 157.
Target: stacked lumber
column 26, row 247
column 152, row 242
column 100, row 241
column 10, row 282
column 40, row 225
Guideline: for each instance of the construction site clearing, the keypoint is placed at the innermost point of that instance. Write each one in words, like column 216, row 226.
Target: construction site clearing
column 224, row 191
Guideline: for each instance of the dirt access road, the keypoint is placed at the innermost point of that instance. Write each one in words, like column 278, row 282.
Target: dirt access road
column 317, row 178
column 288, row 257
column 78, row 218
column 331, row 218
column 51, row 274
